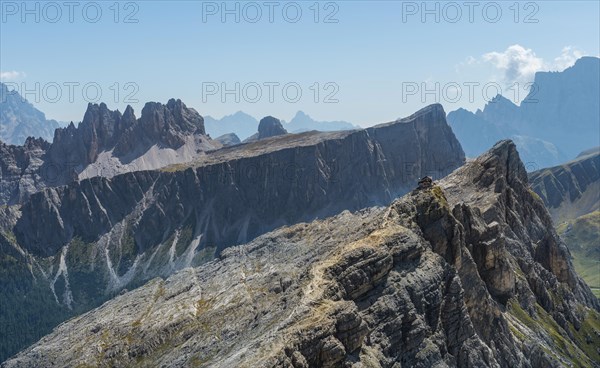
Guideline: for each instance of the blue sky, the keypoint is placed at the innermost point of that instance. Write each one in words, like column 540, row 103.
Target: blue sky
column 368, row 62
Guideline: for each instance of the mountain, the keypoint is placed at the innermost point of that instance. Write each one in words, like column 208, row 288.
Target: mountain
column 229, row 139
column 73, row 247
column 267, row 128
column 589, row 152
column 20, row 120
column 240, row 123
column 572, row 189
column 244, row 125
column 20, row 169
column 559, row 117
column 571, row 192
column 302, row 122
column 499, row 120
column 465, row 272
column 105, row 143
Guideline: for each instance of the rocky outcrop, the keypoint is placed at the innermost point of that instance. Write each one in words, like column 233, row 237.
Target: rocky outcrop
column 228, row 140
column 572, row 189
column 107, row 143
column 121, row 231
column 20, row 169
column 466, row 272
column 104, row 130
column 268, row 127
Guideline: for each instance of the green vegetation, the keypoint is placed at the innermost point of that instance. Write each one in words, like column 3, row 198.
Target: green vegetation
column 535, row 196
column 581, row 350
column 122, row 254
column 439, row 195
column 28, row 309
column 87, row 287
column 582, row 236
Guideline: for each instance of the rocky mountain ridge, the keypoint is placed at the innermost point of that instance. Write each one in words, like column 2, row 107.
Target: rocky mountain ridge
column 559, row 117
column 87, row 240
column 572, row 189
column 105, row 143
column 465, row 272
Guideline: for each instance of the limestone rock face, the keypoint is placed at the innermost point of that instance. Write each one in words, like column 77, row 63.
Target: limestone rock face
column 107, row 143
column 20, row 169
column 88, row 240
column 447, row 275
column 234, row 195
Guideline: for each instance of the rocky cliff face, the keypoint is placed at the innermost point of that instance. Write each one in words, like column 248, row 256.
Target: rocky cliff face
column 235, row 194
column 468, row 272
column 107, row 143
column 572, row 189
column 96, row 236
column 20, row 169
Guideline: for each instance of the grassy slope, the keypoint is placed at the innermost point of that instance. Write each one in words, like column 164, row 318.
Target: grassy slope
column 582, row 236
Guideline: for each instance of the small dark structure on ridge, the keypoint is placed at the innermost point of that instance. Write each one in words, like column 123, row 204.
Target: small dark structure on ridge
column 425, row 182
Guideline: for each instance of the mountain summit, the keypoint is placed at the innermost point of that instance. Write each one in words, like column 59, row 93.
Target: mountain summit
column 559, row 118
column 20, row 120
column 105, row 143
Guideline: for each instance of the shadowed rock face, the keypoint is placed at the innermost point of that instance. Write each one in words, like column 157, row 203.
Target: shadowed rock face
column 106, row 143
column 236, row 194
column 448, row 275
column 270, row 127
column 121, row 231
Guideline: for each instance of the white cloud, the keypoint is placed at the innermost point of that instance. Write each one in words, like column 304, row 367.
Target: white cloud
column 567, row 57
column 519, row 64
column 516, row 62
column 12, row 75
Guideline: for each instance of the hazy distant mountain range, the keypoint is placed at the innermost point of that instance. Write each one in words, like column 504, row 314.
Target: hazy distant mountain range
column 558, row 119
column 244, row 125
column 19, row 119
